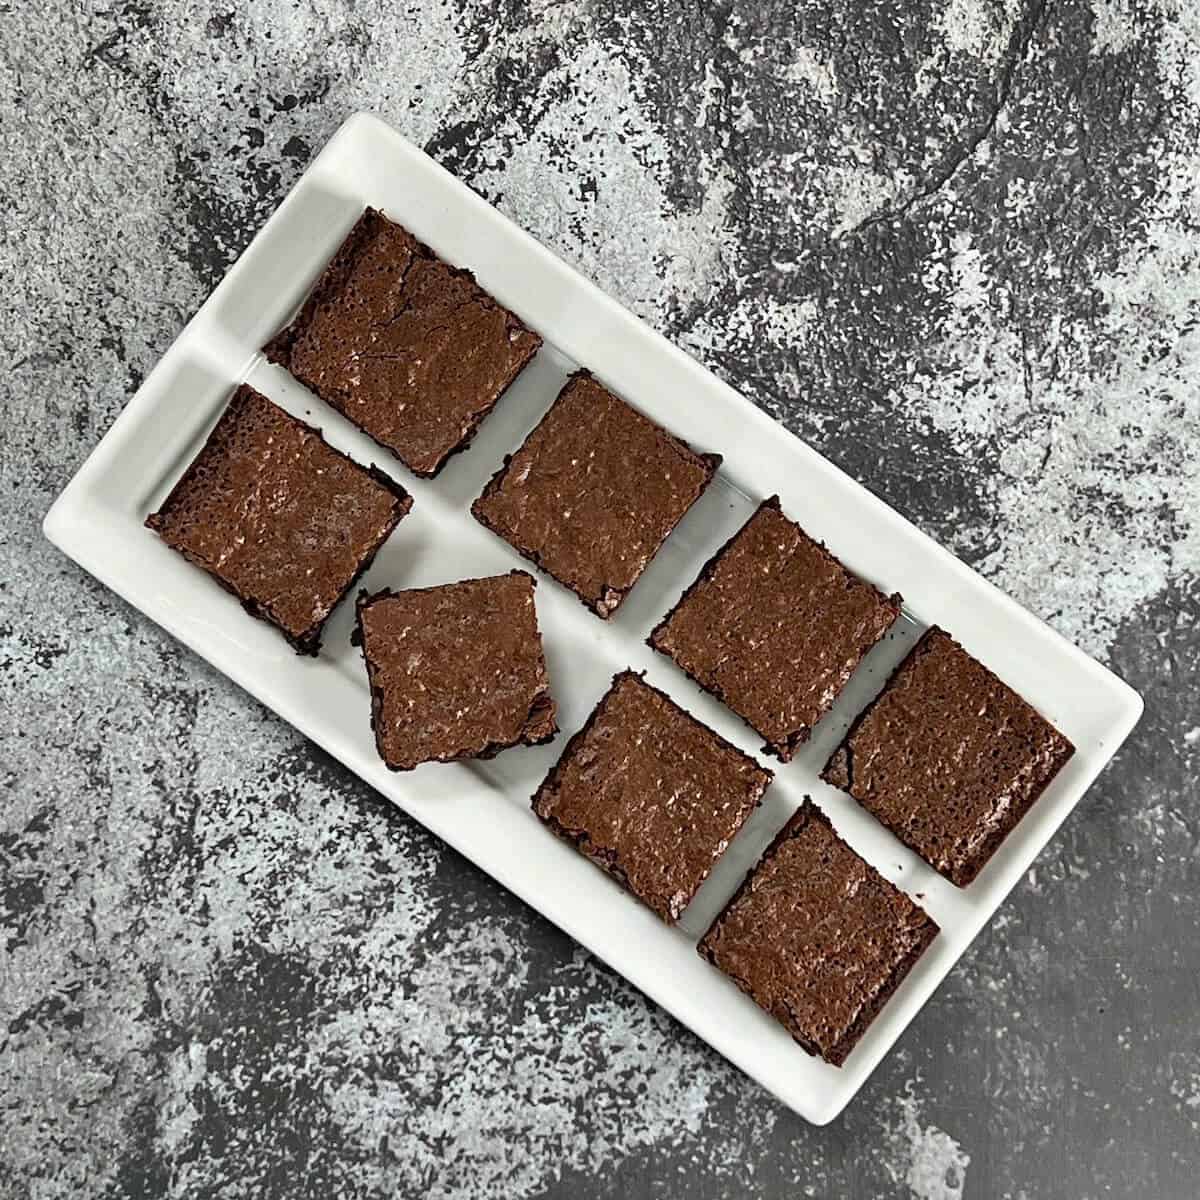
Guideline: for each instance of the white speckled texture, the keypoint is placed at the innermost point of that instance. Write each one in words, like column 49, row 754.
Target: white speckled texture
column 953, row 243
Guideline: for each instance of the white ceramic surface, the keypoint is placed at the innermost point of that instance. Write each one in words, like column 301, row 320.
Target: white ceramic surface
column 483, row 809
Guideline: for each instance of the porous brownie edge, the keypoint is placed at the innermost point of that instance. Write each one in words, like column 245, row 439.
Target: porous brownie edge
column 784, row 752
column 539, row 706
column 332, row 278
column 840, row 765
column 308, row 643
column 580, row 840
column 278, row 349
column 809, row 811
column 711, row 462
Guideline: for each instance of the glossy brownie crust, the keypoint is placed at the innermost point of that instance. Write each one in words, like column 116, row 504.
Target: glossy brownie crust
column 774, row 626
column 948, row 757
column 278, row 517
column 408, row 348
column 650, row 795
column 817, row 937
column 594, row 492
column 456, row 671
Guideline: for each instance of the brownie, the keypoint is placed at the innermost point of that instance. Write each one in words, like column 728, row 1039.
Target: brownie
column 948, row 757
column 650, row 794
column 774, row 626
column 278, row 516
column 456, row 671
column 410, row 349
column 594, row 492
column 817, row 937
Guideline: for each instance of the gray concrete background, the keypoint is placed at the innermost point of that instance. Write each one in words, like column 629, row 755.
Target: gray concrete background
column 952, row 243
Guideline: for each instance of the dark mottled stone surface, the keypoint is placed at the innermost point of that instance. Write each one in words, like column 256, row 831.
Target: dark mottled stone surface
column 953, row 243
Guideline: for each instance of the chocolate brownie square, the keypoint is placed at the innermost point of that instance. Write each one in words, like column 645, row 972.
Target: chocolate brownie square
column 650, row 795
column 594, row 492
column 948, row 757
column 774, row 626
column 278, row 516
column 410, row 349
column 817, row 937
column 456, row 671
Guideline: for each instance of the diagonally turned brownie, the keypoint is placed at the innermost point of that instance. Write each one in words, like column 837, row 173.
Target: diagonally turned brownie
column 774, row 626
column 594, row 492
column 948, row 757
column 650, row 795
column 817, row 937
column 410, row 349
column 278, row 517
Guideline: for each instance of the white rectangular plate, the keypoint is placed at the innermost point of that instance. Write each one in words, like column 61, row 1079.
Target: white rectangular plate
column 483, row 809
